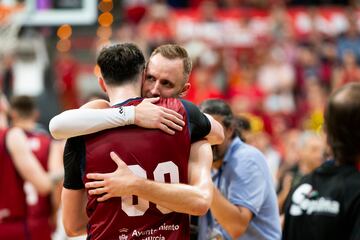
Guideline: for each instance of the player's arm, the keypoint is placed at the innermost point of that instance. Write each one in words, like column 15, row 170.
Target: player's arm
column 194, row 198
column 73, row 198
column 26, row 163
column 74, row 212
column 55, row 164
column 87, row 120
column 203, row 125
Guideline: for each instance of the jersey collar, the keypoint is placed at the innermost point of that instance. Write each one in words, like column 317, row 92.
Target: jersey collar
column 126, row 101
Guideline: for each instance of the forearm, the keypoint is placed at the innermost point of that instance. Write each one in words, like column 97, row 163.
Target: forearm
column 176, row 197
column 77, row 122
column 25, row 161
column 74, row 212
column 193, row 198
column 232, row 218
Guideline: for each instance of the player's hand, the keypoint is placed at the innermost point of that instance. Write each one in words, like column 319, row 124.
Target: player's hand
column 116, row 184
column 149, row 115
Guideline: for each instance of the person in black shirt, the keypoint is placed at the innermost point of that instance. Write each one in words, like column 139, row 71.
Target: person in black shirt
column 326, row 203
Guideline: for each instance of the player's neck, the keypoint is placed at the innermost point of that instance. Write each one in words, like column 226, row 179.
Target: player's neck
column 24, row 124
column 122, row 93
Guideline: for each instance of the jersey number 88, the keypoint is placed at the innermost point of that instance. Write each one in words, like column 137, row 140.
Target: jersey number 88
column 142, row 205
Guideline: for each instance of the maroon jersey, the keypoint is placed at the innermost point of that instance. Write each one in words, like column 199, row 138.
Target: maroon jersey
column 39, row 207
column 151, row 154
column 12, row 200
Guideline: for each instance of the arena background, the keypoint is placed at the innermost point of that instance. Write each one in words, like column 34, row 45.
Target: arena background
column 274, row 61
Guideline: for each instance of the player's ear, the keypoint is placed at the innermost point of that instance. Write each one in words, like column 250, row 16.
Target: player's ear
column 102, row 84
column 184, row 90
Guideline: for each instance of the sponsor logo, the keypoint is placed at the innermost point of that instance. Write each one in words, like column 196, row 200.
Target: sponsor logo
column 148, row 234
column 123, row 237
column 305, row 200
column 123, row 234
column 121, row 110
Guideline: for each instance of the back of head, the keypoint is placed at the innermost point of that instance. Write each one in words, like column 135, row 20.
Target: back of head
column 174, row 51
column 121, row 63
column 23, row 106
column 342, row 123
column 220, row 108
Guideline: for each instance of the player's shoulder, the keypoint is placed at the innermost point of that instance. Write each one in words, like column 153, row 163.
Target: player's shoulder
column 172, row 103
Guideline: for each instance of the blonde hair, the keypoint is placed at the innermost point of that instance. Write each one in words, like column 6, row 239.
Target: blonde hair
column 174, row 51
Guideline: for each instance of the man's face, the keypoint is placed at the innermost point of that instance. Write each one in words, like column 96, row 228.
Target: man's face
column 164, row 77
column 313, row 152
column 220, row 150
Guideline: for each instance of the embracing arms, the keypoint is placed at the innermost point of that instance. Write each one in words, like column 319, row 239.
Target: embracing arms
column 92, row 117
column 97, row 115
column 193, row 198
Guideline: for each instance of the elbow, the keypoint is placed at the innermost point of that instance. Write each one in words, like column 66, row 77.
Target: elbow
column 202, row 205
column 201, row 209
column 54, row 129
column 236, row 232
column 219, row 138
column 45, row 189
column 216, row 137
column 72, row 231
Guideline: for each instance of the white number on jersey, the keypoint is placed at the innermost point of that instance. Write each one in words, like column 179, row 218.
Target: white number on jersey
column 142, row 205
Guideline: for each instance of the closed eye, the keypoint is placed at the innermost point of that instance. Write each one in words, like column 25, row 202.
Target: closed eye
column 150, row 78
column 167, row 84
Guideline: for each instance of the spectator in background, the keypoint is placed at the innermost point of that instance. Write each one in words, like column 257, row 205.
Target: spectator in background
column 350, row 40
column 277, row 78
column 349, row 71
column 262, row 141
column 244, row 203
column 156, row 26
column 311, row 149
column 326, row 203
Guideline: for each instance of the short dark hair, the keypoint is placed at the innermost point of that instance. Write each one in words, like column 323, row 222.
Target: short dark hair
column 221, row 108
column 121, row 63
column 342, row 123
column 25, row 106
column 242, row 124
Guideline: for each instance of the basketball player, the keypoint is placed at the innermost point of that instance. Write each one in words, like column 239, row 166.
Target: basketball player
column 18, row 163
column 24, row 115
column 146, row 154
column 326, row 203
column 166, row 75
column 170, row 81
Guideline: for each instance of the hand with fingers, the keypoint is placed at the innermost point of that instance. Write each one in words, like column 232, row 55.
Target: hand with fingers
column 116, row 184
column 149, row 115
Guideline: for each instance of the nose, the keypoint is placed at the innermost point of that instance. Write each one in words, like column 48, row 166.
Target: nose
column 155, row 91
